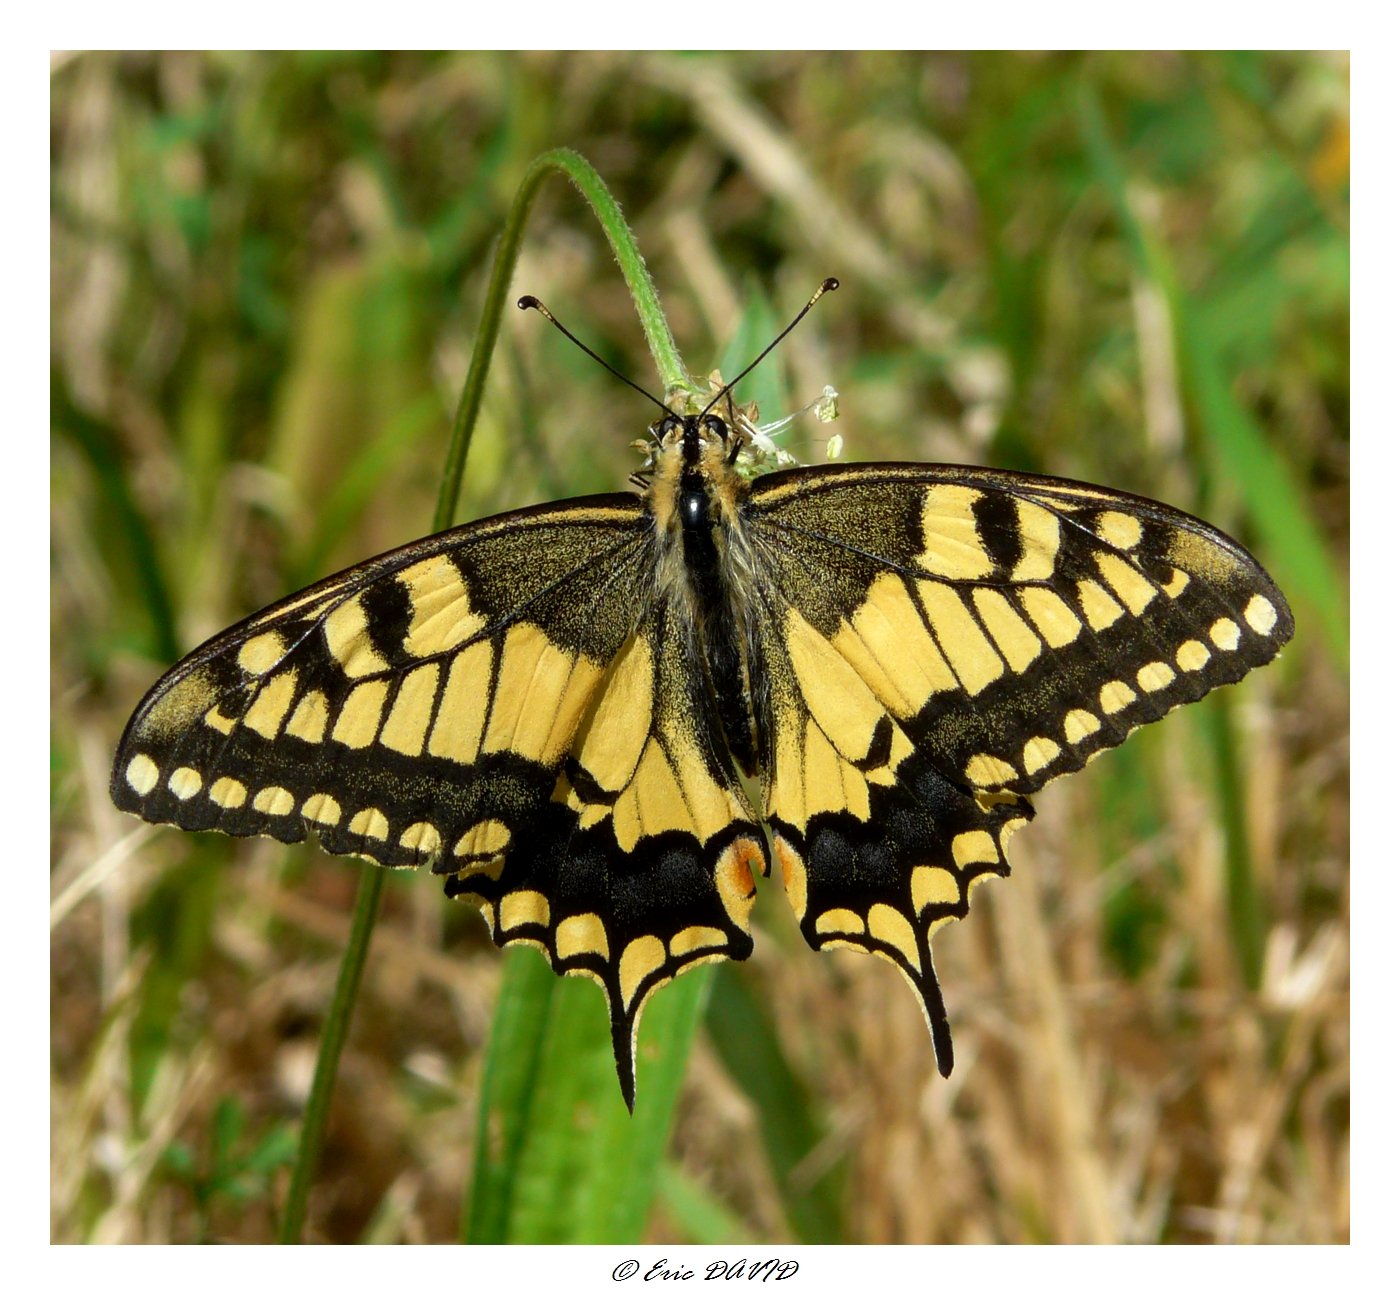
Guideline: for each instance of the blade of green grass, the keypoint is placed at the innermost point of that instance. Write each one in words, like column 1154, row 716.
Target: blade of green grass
column 523, row 1008
column 96, row 440
column 1276, row 504
column 758, row 326
column 1132, row 914
column 700, row 1216
column 176, row 923
column 1248, row 919
column 1234, row 441
column 559, row 1160
column 1241, row 455
column 742, row 1033
column 616, row 1199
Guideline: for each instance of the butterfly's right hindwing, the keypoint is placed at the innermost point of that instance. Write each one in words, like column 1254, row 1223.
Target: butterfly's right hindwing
column 940, row 642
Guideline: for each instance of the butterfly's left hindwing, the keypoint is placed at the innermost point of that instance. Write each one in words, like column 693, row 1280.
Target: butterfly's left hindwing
column 642, row 862
column 505, row 703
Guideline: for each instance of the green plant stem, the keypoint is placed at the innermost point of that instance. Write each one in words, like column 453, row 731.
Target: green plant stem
column 318, row 1102
column 674, row 375
column 537, row 1078
column 629, row 258
column 589, row 183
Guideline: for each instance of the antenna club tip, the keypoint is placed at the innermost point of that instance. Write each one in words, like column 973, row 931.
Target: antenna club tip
column 830, row 284
column 528, row 302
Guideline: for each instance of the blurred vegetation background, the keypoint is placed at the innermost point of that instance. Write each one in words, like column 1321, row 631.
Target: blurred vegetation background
column 1127, row 268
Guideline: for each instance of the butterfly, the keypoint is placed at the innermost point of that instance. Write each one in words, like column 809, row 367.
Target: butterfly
column 553, row 708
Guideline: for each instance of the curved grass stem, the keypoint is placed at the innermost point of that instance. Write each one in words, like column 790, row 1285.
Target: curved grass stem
column 674, row 376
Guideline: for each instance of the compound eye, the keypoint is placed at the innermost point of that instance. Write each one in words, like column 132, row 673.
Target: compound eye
column 716, row 426
column 667, row 425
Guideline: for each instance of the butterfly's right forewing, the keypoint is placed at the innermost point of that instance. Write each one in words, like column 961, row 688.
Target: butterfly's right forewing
column 942, row 641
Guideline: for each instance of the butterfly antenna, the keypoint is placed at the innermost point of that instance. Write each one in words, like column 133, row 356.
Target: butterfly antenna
column 534, row 303
column 827, row 285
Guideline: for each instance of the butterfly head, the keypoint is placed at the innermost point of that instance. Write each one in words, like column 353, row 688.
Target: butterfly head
column 697, row 438
column 696, row 445
column 727, row 426
column 706, row 442
column 690, row 478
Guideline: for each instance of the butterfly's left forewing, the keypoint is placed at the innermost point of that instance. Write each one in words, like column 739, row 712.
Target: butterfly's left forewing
column 507, row 703
column 396, row 708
